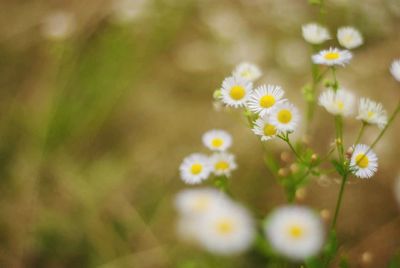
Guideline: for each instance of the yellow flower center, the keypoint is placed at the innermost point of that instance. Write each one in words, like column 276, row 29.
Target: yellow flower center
column 201, row 203
column 222, row 165
column 284, row 116
column 340, row 104
column 370, row 114
column 362, row 161
column 332, row 55
column 225, row 226
column 296, row 231
column 269, row 130
column 237, row 92
column 217, row 142
column 196, row 169
column 267, row 101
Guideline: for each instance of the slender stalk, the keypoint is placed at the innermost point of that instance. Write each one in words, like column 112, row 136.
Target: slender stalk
column 360, row 133
column 339, row 137
column 285, row 138
column 339, row 201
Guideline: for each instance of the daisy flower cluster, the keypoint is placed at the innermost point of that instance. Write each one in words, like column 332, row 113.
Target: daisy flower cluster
column 198, row 167
column 208, row 218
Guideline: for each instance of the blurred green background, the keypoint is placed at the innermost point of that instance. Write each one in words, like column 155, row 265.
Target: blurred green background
column 101, row 100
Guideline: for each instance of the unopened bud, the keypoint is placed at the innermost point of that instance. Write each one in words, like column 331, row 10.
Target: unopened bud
column 325, row 214
column 294, row 168
column 283, row 172
column 314, row 157
column 217, row 94
column 349, row 152
column 367, row 257
column 301, row 194
column 286, row 157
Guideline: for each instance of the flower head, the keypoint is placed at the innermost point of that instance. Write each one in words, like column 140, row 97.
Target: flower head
column 264, row 98
column 395, row 69
column 315, row 34
column 235, row 91
column 247, row 71
column 226, row 230
column 223, row 163
column 264, row 128
column 372, row 112
column 349, row 37
column 364, row 161
column 195, row 168
column 295, row 232
column 332, row 56
column 217, row 140
column 285, row 117
column 59, row 25
column 340, row 102
column 196, row 202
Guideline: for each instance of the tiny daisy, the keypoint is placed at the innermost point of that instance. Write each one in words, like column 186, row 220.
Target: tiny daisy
column 295, row 232
column 395, row 69
column 226, row 230
column 264, row 128
column 195, row 168
column 284, row 117
column 332, row 56
column 315, row 34
column 223, row 163
column 217, row 140
column 198, row 201
column 247, row 71
column 235, row 91
column 340, row 102
column 263, row 99
column 364, row 161
column 372, row 112
column 349, row 37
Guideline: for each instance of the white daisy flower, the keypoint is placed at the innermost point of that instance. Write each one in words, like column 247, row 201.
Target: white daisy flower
column 195, row 168
column 372, row 112
column 263, row 99
column 247, row 71
column 349, row 37
column 315, row 34
column 264, row 128
column 295, row 232
column 284, row 116
column 226, row 230
column 340, row 102
column 198, row 201
column 395, row 69
column 217, row 140
column 235, row 91
column 332, row 56
column 364, row 161
column 223, row 163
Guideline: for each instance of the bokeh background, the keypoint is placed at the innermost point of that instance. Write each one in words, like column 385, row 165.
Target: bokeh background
column 101, row 100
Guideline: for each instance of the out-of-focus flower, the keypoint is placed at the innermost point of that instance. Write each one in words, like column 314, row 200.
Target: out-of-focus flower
column 264, row 128
column 340, row 102
column 285, row 117
column 364, row 161
column 217, row 140
column 295, row 232
column 235, row 91
column 349, row 37
column 264, row 98
column 315, row 34
column 332, row 56
column 247, row 71
column 58, row 25
column 395, row 69
column 223, row 163
column 125, row 11
column 372, row 112
column 292, row 54
column 226, row 230
column 195, row 168
column 195, row 202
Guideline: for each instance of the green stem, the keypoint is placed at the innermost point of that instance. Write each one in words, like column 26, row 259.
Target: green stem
column 339, row 137
column 360, row 133
column 339, row 201
column 287, row 140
